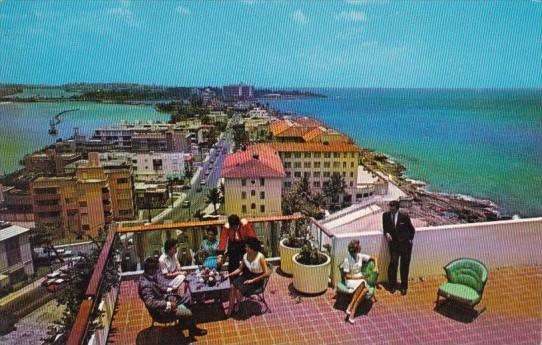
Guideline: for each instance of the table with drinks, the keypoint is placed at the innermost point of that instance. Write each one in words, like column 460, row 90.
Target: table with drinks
column 206, row 284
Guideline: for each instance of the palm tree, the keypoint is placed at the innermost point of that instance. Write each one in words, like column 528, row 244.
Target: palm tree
column 41, row 235
column 213, row 197
column 334, row 188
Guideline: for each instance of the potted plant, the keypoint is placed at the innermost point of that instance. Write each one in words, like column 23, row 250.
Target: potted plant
column 294, row 238
column 311, row 269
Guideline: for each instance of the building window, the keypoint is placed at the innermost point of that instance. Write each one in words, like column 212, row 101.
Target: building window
column 316, row 184
column 344, row 173
column 351, row 164
column 124, row 213
column 307, row 174
column 122, row 180
column 307, row 155
column 244, row 208
column 327, row 164
column 287, row 165
column 262, row 182
column 262, row 208
column 253, row 206
column 327, row 174
column 297, row 174
column 85, row 227
column 344, row 164
column 287, row 184
column 316, row 174
column 317, row 165
column 243, row 182
column 243, row 195
column 351, row 183
column 297, row 165
column 307, row 164
column 262, row 195
column 83, row 204
column 287, row 155
column 297, row 155
column 288, row 174
column 253, row 193
column 252, row 181
column 352, row 174
column 13, row 251
column 336, row 154
column 317, row 155
column 335, row 164
column 327, row 154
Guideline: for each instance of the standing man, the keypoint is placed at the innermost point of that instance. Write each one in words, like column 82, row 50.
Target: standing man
column 399, row 233
column 232, row 241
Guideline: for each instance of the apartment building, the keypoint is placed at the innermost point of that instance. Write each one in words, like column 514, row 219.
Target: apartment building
column 49, row 162
column 82, row 203
column 15, row 254
column 318, row 161
column 253, row 182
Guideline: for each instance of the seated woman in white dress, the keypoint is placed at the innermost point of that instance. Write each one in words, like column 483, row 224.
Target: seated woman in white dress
column 354, row 279
column 171, row 275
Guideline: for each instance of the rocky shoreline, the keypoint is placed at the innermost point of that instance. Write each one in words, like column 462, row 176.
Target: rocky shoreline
column 431, row 207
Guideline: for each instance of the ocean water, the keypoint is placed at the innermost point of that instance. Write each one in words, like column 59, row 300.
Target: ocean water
column 24, row 126
column 485, row 144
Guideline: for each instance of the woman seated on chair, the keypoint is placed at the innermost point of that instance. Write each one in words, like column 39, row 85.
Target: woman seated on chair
column 351, row 268
column 249, row 276
column 208, row 251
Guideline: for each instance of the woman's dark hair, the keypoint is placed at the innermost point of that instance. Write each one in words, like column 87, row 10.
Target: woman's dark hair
column 254, row 244
column 150, row 265
column 354, row 247
column 169, row 244
column 213, row 230
column 234, row 220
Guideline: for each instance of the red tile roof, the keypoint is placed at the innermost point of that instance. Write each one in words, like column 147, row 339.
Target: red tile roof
column 308, row 122
column 244, row 164
column 277, row 127
column 314, row 147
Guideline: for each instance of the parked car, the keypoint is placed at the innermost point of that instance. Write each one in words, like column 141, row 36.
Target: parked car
column 186, row 204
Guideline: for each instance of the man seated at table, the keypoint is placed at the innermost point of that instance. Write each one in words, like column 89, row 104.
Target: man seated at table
column 208, row 251
column 160, row 303
column 171, row 274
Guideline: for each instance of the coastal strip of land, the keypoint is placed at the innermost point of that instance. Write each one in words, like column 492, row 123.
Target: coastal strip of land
column 432, row 207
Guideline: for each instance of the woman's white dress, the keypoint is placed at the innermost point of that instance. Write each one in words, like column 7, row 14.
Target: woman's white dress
column 353, row 266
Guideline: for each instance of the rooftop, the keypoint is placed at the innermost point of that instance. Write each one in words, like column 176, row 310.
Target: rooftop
column 314, row 147
column 11, row 231
column 254, row 162
column 394, row 319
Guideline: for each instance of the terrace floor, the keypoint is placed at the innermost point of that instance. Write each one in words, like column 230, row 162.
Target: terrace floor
column 513, row 297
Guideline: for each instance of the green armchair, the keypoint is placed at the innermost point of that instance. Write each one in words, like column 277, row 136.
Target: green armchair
column 371, row 279
column 466, row 281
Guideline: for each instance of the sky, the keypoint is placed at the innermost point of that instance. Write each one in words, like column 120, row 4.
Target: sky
column 351, row 43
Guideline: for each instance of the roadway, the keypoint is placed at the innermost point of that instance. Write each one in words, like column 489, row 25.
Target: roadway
column 198, row 191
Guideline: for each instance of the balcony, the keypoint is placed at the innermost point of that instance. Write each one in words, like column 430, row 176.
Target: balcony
column 47, row 208
column 43, row 197
column 513, row 294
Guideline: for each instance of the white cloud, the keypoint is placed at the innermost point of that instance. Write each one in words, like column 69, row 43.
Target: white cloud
column 352, row 16
column 365, row 2
column 123, row 12
column 183, row 11
column 299, row 17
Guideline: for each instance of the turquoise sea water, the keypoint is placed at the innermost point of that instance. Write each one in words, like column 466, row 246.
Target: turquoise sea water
column 23, row 126
column 486, row 144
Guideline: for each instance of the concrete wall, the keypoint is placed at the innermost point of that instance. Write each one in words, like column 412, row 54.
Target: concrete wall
column 496, row 244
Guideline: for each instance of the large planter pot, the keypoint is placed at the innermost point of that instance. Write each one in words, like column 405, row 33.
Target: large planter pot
column 311, row 279
column 286, row 254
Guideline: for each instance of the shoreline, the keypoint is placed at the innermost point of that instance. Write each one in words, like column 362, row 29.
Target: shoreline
column 435, row 208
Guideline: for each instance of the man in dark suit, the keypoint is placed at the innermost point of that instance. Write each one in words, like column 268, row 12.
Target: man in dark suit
column 163, row 303
column 399, row 233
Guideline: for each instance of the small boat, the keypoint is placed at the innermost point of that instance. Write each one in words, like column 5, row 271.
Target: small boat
column 52, row 128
